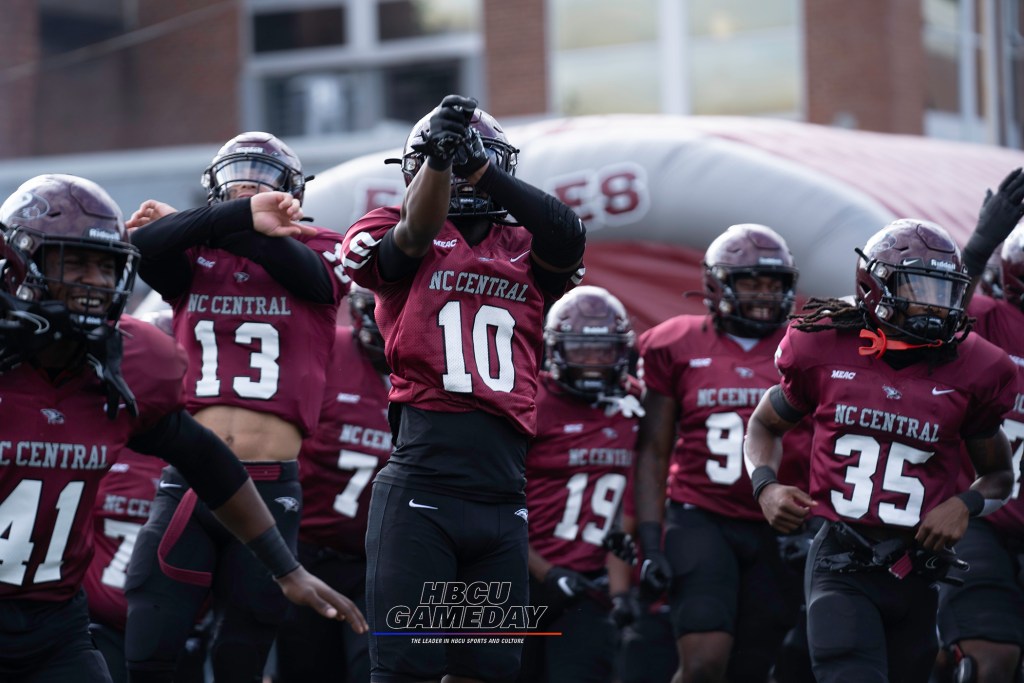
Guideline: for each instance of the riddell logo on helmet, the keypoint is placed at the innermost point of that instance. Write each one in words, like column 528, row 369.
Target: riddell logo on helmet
column 103, row 234
column 595, row 330
column 769, row 261
column 249, row 150
column 943, row 265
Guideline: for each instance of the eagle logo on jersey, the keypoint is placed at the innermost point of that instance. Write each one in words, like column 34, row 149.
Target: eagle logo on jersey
column 522, row 512
column 892, row 393
column 241, row 277
column 746, row 373
column 53, row 417
column 288, row 503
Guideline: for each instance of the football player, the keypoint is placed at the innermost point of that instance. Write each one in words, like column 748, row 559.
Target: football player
column 350, row 445
column 895, row 389
column 461, row 291
column 78, row 384
column 705, row 375
column 982, row 621
column 256, row 314
column 577, row 469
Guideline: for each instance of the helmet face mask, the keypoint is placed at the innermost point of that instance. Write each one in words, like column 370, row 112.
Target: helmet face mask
column 466, row 200
column 911, row 282
column 589, row 343
column 250, row 163
column 361, row 306
column 749, row 280
column 64, row 241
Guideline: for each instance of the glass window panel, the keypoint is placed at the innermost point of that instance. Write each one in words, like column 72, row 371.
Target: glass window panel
column 724, row 18
column 274, row 31
column 611, row 79
column 942, row 66
column 941, row 14
column 590, row 23
column 62, row 29
column 411, row 91
column 399, row 19
column 753, row 74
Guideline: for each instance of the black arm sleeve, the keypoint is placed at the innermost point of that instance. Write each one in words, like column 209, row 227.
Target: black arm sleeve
column 164, row 266
column 393, row 264
column 291, row 263
column 559, row 236
column 204, row 460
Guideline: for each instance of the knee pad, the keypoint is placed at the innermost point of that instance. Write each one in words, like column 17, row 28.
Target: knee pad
column 240, row 647
column 840, row 634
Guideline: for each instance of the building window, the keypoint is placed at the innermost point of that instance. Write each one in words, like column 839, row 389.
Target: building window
column 604, row 56
column 744, row 58
column 298, row 29
column 693, row 57
column 340, row 66
column 64, row 27
column 398, row 19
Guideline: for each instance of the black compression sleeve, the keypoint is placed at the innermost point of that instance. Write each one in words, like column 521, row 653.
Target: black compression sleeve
column 204, row 460
column 291, row 263
column 393, row 264
column 785, row 410
column 164, row 266
column 559, row 236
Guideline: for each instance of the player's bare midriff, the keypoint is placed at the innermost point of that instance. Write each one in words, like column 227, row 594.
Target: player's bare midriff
column 251, row 435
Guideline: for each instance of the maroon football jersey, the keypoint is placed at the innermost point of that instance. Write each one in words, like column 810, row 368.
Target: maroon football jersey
column 57, row 444
column 350, row 445
column 464, row 332
column 1003, row 324
column 251, row 343
column 577, row 469
column 887, row 442
column 122, row 507
column 717, row 385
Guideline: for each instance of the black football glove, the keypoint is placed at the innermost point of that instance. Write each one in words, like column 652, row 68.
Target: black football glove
column 565, row 584
column 656, row 570
column 621, row 545
column 470, row 156
column 625, row 609
column 447, row 131
column 1000, row 213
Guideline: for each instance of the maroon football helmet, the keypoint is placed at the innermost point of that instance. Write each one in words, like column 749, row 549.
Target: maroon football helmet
column 589, row 341
column 254, row 158
column 58, row 212
column 1011, row 265
column 749, row 251
column 466, row 200
column 911, row 280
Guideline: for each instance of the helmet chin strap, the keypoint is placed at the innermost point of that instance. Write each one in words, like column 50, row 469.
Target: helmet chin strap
column 879, row 343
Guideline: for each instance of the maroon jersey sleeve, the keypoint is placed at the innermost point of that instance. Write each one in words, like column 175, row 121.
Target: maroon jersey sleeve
column 57, row 444
column 250, row 342
column 796, row 346
column 464, row 331
column 122, row 507
column 1003, row 324
column 887, row 443
column 717, row 384
column 350, row 445
column 577, row 471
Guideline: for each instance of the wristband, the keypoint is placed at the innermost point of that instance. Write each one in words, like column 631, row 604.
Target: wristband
column 761, row 477
column 649, row 534
column 270, row 549
column 974, row 501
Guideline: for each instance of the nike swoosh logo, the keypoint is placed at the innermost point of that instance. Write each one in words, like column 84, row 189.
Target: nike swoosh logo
column 563, row 585
column 168, row 485
column 513, row 260
column 939, row 392
column 414, row 504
